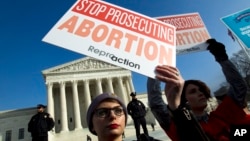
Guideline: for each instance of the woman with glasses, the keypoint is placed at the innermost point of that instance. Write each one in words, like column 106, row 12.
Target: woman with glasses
column 107, row 117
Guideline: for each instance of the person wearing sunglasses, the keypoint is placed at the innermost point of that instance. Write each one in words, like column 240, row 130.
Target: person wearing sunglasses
column 137, row 110
column 107, row 117
column 40, row 124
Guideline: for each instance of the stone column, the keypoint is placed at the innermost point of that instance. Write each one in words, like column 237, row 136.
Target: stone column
column 99, row 86
column 50, row 98
column 86, row 94
column 122, row 93
column 64, row 116
column 131, row 84
column 110, row 86
column 76, row 106
column 128, row 89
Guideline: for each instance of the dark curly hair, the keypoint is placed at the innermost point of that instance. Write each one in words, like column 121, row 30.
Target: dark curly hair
column 202, row 87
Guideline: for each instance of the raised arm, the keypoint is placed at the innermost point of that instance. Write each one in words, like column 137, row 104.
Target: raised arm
column 173, row 88
column 238, row 87
column 174, row 119
column 156, row 103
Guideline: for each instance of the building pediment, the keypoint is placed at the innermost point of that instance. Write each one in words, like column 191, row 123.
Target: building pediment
column 83, row 64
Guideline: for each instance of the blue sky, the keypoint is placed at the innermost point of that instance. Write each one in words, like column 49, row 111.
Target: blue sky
column 23, row 55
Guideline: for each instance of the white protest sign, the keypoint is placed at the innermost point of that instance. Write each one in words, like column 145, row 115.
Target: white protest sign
column 115, row 35
column 191, row 32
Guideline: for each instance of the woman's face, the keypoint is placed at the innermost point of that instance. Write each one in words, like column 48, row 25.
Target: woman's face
column 195, row 97
column 109, row 123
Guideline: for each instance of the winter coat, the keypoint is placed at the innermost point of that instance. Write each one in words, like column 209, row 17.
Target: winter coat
column 218, row 125
column 136, row 109
column 40, row 124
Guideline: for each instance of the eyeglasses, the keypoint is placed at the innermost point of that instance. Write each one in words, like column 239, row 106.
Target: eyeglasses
column 105, row 112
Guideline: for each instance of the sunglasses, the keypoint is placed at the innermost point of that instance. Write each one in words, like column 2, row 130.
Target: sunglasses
column 105, row 112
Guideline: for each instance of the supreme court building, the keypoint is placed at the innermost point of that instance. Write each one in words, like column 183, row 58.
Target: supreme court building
column 70, row 90
column 72, row 86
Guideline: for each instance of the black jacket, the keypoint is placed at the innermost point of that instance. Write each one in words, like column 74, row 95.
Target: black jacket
column 40, row 124
column 136, row 109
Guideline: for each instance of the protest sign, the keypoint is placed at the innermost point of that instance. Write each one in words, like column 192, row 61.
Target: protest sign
column 239, row 24
column 191, row 32
column 115, row 35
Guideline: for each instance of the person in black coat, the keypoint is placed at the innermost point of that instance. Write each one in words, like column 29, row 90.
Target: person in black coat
column 40, row 124
column 137, row 110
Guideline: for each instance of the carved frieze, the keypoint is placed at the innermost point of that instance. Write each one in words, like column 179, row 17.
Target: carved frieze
column 84, row 64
